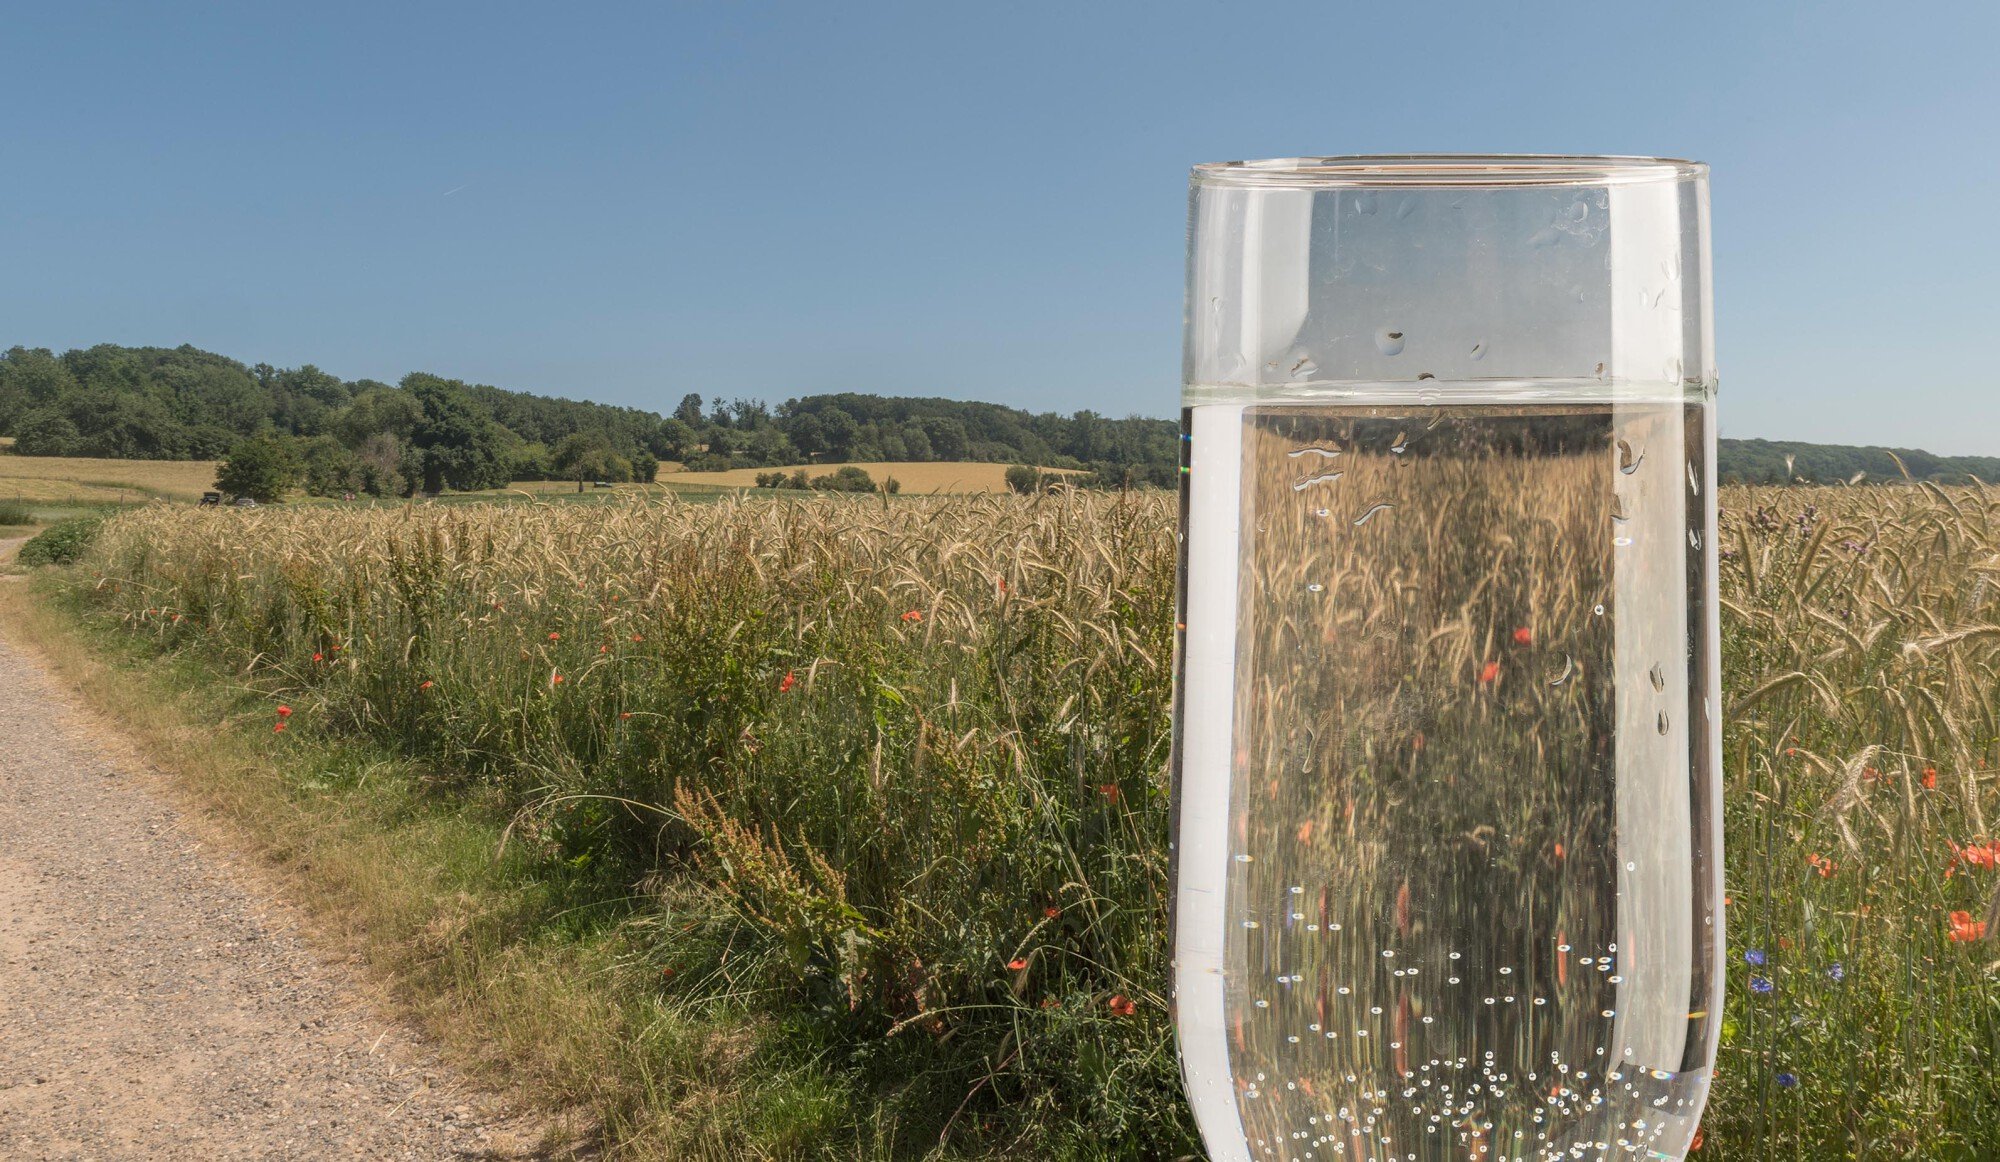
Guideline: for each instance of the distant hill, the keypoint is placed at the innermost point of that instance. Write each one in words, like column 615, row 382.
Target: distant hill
column 1763, row 462
column 183, row 403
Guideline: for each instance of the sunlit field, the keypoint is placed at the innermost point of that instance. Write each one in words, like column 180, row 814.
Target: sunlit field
column 74, row 480
column 887, row 782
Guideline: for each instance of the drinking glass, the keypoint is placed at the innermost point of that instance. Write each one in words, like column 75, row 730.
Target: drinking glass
column 1447, row 728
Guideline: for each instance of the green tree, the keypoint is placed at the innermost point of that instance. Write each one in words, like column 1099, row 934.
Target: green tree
column 261, row 468
column 45, row 432
column 460, row 447
column 1023, row 478
column 586, row 456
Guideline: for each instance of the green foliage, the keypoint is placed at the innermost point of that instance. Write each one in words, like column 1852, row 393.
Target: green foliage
column 15, row 514
column 1765, row 462
column 62, row 542
column 1023, row 478
column 846, row 479
column 262, row 469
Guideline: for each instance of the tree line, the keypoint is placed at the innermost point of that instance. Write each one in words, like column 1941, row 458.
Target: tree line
column 427, row 432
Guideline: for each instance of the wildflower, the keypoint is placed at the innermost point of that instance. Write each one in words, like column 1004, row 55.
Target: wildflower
column 425, row 684
column 555, row 679
column 1018, row 963
column 555, row 637
column 1524, row 636
column 1836, row 973
column 1051, row 911
column 1930, row 778
column 284, row 712
column 786, row 683
column 603, row 649
column 1696, row 1144
column 279, row 728
column 1787, row 1080
column 1964, row 929
column 1754, row 956
column 1761, row 985
column 1122, row 1005
column 1108, row 790
column 638, row 637
column 1488, row 672
column 1790, row 751
column 319, row 657
column 914, row 615
column 1819, row 863
column 624, row 714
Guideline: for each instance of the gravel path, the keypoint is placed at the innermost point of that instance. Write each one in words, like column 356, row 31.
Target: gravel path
column 158, row 1002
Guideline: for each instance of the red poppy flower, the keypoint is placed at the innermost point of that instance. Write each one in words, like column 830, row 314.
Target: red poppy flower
column 1964, row 929
column 1696, row 1144
column 425, row 684
column 284, row 712
column 786, row 683
column 555, row 637
column 278, row 729
column 638, row 638
column 1524, row 636
column 1108, row 790
column 1122, row 1005
column 625, row 714
column 1018, row 963
column 1489, row 672
column 914, row 615
column 603, row 649
column 555, row 679
column 1819, row 863
column 1051, row 911
column 1930, row 778
column 319, row 657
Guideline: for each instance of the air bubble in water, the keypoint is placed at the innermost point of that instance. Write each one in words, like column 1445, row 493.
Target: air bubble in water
column 1478, row 351
column 1694, row 540
column 1569, row 667
column 1389, row 341
column 1402, row 443
column 1627, row 462
column 1304, row 368
column 1313, row 450
column 1663, row 722
column 1315, row 587
column 1694, row 485
column 1321, row 478
column 1366, row 202
column 1365, row 517
column 1598, row 609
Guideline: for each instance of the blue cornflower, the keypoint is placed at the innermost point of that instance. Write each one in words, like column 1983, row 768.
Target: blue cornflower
column 1754, row 956
column 1787, row 1080
column 1760, row 984
column 1836, row 974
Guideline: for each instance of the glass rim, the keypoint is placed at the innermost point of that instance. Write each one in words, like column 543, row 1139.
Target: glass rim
column 1464, row 170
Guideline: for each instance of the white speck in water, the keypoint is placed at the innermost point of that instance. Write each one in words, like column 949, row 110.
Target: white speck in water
column 1389, row 341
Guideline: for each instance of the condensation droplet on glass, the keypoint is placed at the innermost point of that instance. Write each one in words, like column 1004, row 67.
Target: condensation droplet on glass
column 1694, row 485
column 1694, row 539
column 1405, row 208
column 1245, row 858
column 1365, row 517
column 1315, row 587
column 1569, row 667
column 1478, row 352
column 1544, row 237
column 1313, row 450
column 1598, row 609
column 1365, row 202
column 1621, row 541
column 1598, row 371
column 1389, row 341
column 1663, row 722
column 1618, row 509
column 1402, row 443
column 1659, row 677
column 1320, row 478
column 1627, row 462
column 1304, row 368
column 1322, row 512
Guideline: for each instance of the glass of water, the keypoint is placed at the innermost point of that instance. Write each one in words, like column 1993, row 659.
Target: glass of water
column 1447, row 751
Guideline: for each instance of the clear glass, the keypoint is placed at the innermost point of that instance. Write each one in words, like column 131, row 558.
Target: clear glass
column 1447, row 735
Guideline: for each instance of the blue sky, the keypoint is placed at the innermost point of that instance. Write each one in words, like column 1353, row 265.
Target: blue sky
column 629, row 202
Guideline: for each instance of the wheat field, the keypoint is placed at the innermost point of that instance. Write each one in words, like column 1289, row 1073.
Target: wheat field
column 917, row 477
column 917, row 751
column 82, row 480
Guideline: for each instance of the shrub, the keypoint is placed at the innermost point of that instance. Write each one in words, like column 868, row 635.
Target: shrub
column 63, row 542
column 14, row 514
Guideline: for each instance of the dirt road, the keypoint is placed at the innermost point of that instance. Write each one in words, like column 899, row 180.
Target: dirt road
column 158, row 1002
